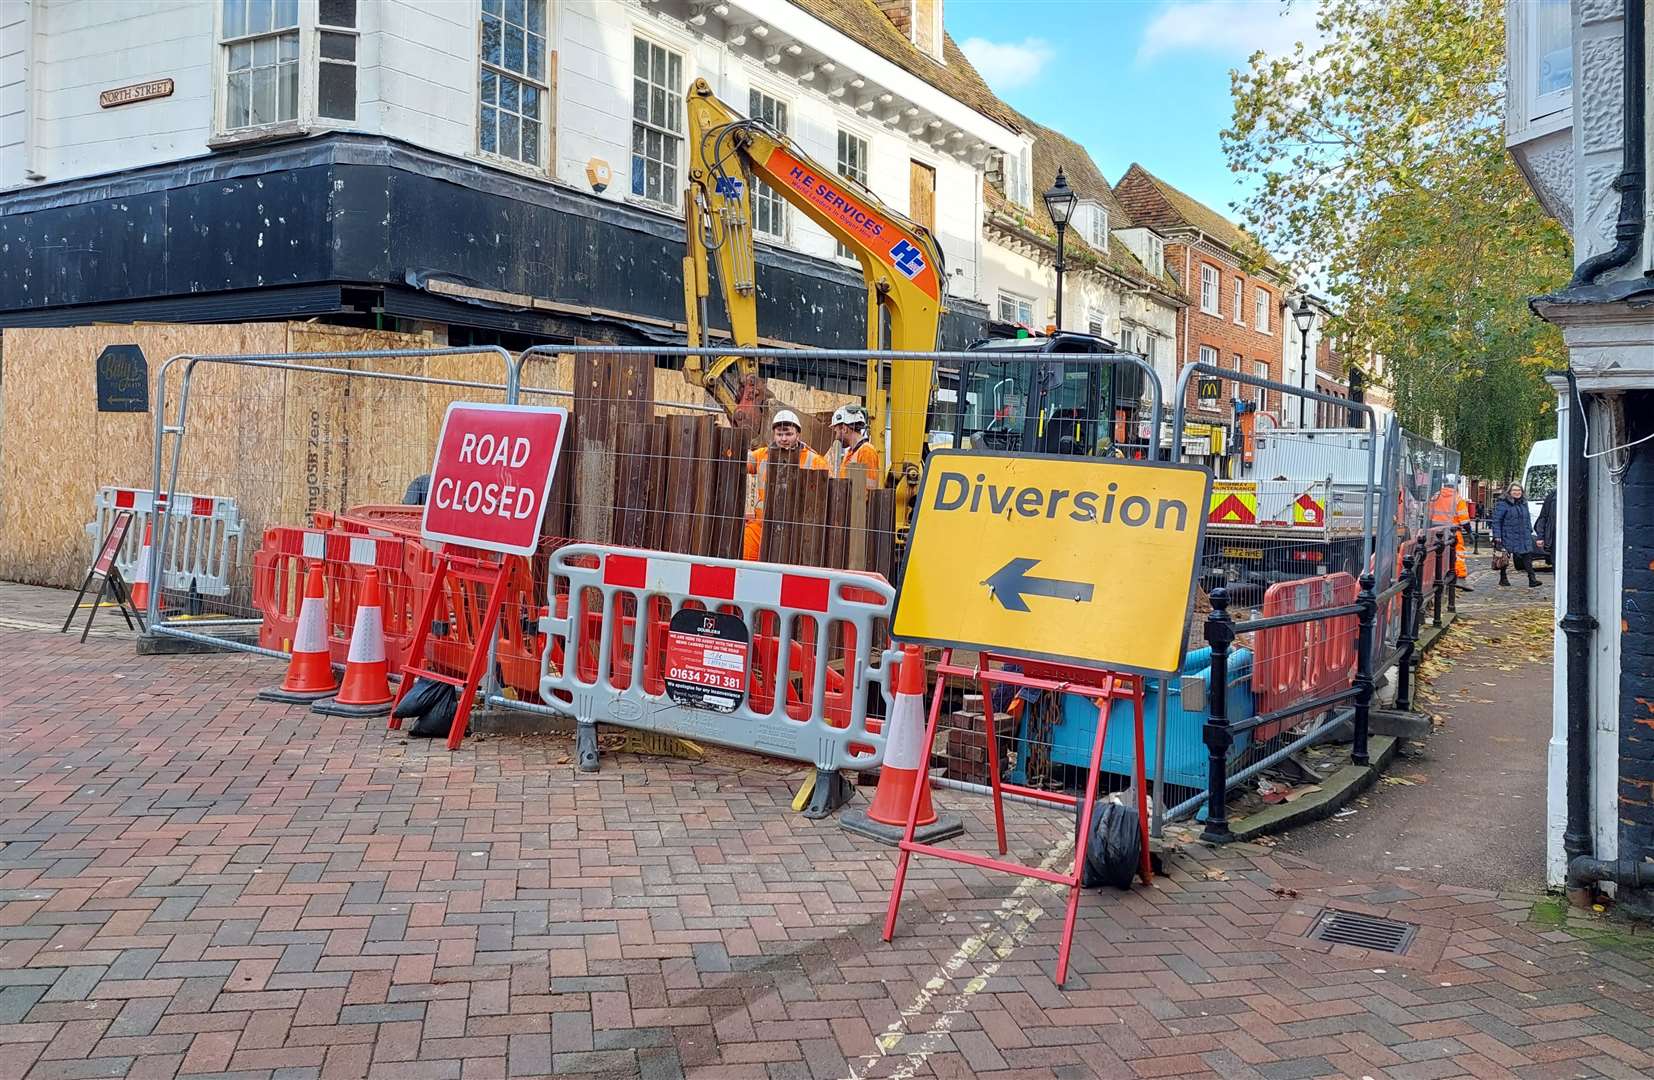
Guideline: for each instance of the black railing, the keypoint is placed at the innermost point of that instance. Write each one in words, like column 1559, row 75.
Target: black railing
column 1221, row 730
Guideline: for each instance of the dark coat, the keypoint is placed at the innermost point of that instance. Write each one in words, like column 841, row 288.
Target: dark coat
column 1512, row 526
column 1545, row 527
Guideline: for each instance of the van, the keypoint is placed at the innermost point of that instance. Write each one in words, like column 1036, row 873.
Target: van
column 1539, row 479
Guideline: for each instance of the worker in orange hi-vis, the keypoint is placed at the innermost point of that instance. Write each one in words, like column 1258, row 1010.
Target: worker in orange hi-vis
column 1447, row 510
column 850, row 429
column 785, row 432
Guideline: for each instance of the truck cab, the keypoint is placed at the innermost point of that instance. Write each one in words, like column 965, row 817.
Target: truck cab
column 1053, row 397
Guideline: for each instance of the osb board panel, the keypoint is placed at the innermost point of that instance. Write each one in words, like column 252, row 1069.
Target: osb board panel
column 280, row 443
column 56, row 449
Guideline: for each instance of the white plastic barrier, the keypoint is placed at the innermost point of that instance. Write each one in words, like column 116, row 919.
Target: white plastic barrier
column 203, row 542
column 785, row 695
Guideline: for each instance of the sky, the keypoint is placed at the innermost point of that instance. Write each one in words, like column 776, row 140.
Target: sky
column 1130, row 80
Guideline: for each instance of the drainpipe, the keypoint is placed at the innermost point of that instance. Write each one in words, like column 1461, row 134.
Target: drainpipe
column 1578, row 627
column 1630, row 183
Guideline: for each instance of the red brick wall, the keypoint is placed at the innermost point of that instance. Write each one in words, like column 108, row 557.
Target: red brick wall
column 1196, row 328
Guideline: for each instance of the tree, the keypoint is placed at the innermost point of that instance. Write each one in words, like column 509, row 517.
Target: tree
column 1380, row 161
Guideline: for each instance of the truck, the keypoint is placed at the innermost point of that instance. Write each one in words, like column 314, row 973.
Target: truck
column 1298, row 513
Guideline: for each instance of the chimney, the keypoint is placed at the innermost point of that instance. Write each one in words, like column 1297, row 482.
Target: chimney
column 900, row 14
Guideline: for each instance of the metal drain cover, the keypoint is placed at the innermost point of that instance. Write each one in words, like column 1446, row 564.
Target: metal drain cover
column 1363, row 931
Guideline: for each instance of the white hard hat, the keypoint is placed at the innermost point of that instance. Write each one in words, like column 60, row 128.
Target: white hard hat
column 786, row 416
column 850, row 414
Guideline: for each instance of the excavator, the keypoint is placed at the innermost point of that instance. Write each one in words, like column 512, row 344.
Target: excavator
column 1051, row 404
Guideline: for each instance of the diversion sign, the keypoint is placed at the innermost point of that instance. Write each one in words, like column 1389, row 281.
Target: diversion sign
column 1056, row 557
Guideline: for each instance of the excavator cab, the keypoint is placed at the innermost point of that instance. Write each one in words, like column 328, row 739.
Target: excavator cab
column 1053, row 397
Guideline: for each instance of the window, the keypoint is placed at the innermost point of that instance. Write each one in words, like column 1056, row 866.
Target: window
column 1553, row 68
column 1157, row 255
column 1208, row 355
column 260, row 39
column 1240, row 291
column 1260, row 368
column 769, row 210
column 336, row 75
column 1016, row 309
column 657, row 121
column 1094, row 225
column 1209, row 290
column 1094, row 327
column 514, row 84
column 852, row 165
column 1260, row 310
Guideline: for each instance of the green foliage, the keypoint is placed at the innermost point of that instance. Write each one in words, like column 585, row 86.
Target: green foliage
column 1381, row 163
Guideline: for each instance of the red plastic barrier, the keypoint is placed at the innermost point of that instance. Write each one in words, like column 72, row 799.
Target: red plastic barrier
column 1303, row 660
column 278, row 586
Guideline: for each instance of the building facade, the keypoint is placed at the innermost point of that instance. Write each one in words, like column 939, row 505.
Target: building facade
column 1578, row 114
column 1115, row 285
column 1233, row 313
column 505, row 169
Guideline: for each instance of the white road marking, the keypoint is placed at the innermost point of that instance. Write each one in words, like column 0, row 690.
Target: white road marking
column 1009, row 927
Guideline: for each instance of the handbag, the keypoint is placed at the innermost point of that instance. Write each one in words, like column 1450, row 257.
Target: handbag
column 1501, row 560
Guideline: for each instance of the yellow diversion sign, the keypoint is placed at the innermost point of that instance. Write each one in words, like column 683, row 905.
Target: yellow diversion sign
column 1057, row 557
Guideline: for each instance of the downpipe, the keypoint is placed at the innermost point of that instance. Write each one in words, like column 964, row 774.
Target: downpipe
column 1584, row 874
column 1631, row 182
column 1578, row 627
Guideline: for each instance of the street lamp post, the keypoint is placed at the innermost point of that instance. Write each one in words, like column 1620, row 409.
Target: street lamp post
column 1059, row 203
column 1304, row 316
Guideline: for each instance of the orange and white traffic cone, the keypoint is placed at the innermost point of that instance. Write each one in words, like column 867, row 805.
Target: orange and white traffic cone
column 139, row 589
column 906, row 765
column 366, row 690
column 310, row 672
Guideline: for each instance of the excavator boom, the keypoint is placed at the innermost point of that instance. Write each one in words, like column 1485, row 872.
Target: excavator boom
column 900, row 261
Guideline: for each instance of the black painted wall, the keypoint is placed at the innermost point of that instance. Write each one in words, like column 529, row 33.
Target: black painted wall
column 365, row 213
column 1636, row 699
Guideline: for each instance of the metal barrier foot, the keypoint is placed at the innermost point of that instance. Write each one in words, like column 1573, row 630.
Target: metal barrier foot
column 585, row 745
column 831, row 791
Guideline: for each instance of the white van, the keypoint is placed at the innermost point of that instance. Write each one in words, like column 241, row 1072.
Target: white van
column 1539, row 478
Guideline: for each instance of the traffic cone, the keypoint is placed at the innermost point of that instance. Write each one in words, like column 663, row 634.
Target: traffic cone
column 366, row 690
column 906, row 764
column 310, row 672
column 139, row 589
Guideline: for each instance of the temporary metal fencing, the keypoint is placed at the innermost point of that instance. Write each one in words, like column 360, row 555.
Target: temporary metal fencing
column 1287, row 587
column 296, row 440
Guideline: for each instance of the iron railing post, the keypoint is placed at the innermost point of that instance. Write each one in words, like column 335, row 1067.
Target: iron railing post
column 1220, row 634
column 1410, row 567
column 1437, row 546
column 1367, row 620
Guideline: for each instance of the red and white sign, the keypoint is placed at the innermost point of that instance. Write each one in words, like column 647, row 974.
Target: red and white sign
column 492, row 475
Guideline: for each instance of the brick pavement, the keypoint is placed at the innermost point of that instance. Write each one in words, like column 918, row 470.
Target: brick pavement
column 193, row 883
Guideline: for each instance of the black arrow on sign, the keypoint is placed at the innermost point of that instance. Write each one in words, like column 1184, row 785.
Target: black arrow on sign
column 1010, row 583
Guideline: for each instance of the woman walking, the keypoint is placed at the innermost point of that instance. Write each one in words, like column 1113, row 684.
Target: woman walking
column 1513, row 536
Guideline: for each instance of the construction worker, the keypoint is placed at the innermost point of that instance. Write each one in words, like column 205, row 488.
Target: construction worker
column 850, row 429
column 785, row 434
column 1448, row 511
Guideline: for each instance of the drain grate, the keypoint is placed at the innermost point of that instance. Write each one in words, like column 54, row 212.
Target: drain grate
column 1363, row 931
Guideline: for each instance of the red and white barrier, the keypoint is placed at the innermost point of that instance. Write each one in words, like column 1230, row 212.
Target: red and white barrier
column 203, row 541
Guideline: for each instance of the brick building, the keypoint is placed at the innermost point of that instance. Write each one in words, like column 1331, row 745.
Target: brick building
column 1235, row 294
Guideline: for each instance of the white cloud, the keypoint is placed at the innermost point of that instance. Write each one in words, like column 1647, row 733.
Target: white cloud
column 1234, row 28
column 1008, row 64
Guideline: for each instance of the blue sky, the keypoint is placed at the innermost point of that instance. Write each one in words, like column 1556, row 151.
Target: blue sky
column 1130, row 80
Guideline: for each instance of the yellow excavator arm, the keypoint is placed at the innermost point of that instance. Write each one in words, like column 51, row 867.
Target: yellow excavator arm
column 900, row 260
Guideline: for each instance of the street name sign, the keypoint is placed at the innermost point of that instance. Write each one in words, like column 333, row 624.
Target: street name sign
column 1053, row 557
column 492, row 475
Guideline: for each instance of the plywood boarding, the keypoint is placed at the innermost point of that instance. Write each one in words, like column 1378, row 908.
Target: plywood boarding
column 56, row 449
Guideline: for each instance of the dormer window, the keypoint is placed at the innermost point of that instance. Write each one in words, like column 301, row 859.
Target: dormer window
column 1157, row 255
column 1091, row 219
column 919, row 20
column 1010, row 174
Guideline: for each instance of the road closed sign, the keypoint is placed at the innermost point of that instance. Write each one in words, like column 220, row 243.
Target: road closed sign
column 492, row 475
column 1055, row 557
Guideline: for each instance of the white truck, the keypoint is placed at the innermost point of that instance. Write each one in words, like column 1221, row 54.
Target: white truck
column 1297, row 512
